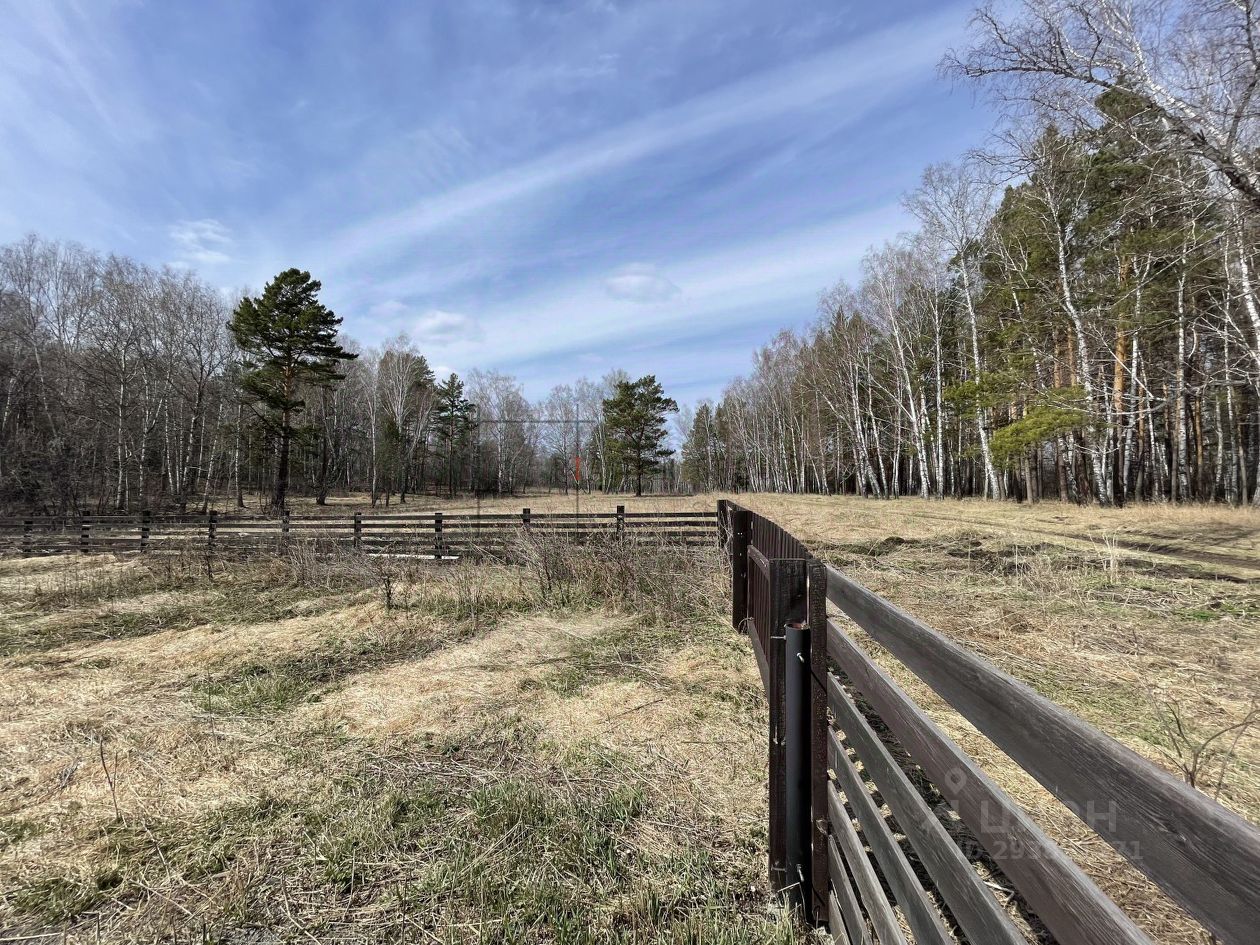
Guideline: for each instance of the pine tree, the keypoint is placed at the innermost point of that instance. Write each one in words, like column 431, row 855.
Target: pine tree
column 452, row 420
column 289, row 340
column 634, row 418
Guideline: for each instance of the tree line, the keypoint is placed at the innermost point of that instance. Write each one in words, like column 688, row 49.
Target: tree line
column 124, row 387
column 1076, row 314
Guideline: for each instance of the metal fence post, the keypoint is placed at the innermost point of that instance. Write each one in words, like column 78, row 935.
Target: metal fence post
column 28, row 526
column 816, row 647
column 358, row 530
column 146, row 520
column 525, row 518
column 790, row 811
column 212, row 528
column 741, row 526
column 621, row 521
column 284, row 528
column 85, row 536
column 437, row 534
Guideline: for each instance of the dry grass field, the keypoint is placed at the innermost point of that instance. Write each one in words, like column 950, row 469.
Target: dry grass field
column 303, row 750
column 571, row 751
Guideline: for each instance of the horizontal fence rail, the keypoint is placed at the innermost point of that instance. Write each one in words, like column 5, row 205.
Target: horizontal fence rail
column 425, row 534
column 862, row 733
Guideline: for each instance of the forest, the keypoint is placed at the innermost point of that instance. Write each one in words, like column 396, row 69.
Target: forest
column 1075, row 316
column 125, row 387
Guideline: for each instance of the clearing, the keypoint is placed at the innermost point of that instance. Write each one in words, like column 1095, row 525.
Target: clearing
column 341, row 750
column 570, row 751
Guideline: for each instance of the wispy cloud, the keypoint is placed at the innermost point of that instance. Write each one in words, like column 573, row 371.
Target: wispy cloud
column 640, row 282
column 878, row 64
column 443, row 328
column 542, row 189
column 201, row 242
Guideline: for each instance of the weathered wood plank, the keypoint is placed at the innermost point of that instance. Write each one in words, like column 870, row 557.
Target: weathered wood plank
column 835, row 922
column 1203, row 855
column 968, row 898
column 854, row 922
column 1064, row 898
column 873, row 898
column 919, row 909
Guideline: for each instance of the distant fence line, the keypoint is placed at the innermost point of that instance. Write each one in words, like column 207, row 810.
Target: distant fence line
column 832, row 707
column 430, row 534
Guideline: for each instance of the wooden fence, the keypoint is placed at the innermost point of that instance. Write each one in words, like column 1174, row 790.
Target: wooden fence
column 429, row 534
column 832, row 708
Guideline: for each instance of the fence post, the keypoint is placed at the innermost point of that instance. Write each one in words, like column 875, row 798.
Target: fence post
column 790, row 812
column 816, row 647
column 741, row 526
column 437, row 534
column 85, row 536
column 722, row 524
column 28, row 526
column 212, row 528
column 358, row 530
column 525, row 518
column 146, row 519
column 284, row 528
column 621, row 521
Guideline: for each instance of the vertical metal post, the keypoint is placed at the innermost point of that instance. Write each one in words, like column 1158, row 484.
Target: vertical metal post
column 722, row 523
column 437, row 534
column 358, row 530
column 146, row 522
column 740, row 528
column 28, row 526
column 212, row 529
column 790, row 810
column 284, row 528
column 621, row 521
column 85, row 536
column 816, row 644
column 525, row 518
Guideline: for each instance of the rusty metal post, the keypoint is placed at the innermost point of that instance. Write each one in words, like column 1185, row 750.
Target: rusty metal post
column 816, row 643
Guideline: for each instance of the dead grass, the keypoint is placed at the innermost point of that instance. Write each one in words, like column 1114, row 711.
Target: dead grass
column 328, row 752
column 1128, row 638
column 287, row 749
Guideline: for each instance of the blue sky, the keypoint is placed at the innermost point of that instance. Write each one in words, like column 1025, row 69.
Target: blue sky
column 550, row 189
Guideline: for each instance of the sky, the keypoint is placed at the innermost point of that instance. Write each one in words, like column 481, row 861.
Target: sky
column 547, row 189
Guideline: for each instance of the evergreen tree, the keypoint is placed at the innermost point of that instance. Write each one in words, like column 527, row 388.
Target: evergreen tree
column 453, row 423
column 634, row 420
column 289, row 340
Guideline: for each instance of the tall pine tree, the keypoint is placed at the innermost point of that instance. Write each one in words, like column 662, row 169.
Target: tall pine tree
column 634, row 421
column 289, row 341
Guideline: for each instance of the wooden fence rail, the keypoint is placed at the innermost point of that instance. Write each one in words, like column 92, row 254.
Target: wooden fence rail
column 841, row 860
column 431, row 534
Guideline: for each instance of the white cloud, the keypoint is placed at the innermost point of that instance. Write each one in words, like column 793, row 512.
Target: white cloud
column 201, row 242
column 443, row 328
column 640, row 282
column 848, row 78
column 434, row 327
